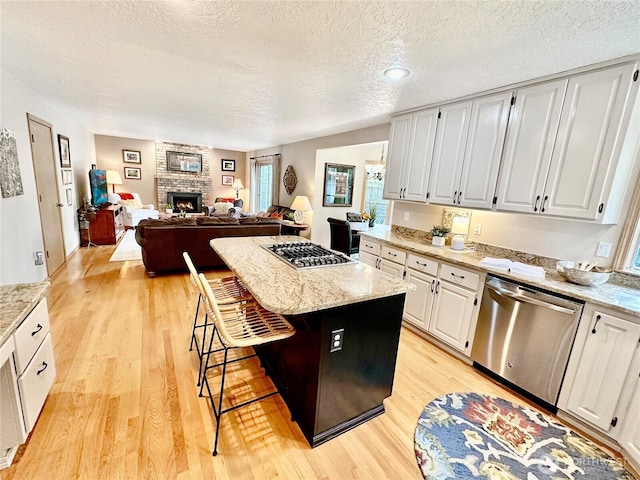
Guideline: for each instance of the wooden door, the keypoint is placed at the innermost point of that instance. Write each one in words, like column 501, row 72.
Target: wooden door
column 532, row 130
column 448, row 155
column 44, row 167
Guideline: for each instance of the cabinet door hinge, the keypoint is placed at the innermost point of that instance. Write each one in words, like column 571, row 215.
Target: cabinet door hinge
column 635, row 75
column 614, row 421
column 495, row 200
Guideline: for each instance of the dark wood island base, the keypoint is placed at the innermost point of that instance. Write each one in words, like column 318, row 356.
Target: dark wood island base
column 331, row 388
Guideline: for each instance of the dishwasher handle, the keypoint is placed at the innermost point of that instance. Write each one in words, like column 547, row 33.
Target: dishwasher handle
column 526, row 299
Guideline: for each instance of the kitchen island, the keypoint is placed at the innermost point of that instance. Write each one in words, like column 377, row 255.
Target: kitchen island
column 335, row 372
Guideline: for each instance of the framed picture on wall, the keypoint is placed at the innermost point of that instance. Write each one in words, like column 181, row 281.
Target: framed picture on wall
column 228, row 165
column 131, row 156
column 65, row 154
column 132, row 173
column 227, row 180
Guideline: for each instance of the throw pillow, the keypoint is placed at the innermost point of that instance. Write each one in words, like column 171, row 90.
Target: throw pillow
column 126, row 196
column 135, row 203
column 216, row 220
column 276, row 215
column 222, row 207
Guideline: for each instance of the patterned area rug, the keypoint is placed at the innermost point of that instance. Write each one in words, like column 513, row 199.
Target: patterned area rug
column 468, row 435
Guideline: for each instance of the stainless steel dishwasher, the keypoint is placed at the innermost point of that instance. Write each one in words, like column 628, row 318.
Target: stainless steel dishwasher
column 525, row 336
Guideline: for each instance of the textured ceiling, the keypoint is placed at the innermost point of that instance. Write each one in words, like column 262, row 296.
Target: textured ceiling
column 247, row 75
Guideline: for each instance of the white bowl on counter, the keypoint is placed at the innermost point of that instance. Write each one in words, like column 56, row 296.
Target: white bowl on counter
column 593, row 277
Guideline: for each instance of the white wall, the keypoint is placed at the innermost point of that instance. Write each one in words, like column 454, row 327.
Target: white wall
column 21, row 232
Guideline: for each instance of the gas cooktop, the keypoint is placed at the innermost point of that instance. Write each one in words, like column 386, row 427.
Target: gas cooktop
column 307, row 255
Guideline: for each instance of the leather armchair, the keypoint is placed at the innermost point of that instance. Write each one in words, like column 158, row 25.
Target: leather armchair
column 342, row 238
column 134, row 209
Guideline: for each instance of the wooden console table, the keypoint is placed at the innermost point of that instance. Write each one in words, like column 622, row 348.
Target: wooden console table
column 106, row 229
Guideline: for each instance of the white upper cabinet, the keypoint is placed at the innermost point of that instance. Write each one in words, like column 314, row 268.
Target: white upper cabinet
column 468, row 149
column 533, row 125
column 410, row 153
column 453, row 127
column 590, row 140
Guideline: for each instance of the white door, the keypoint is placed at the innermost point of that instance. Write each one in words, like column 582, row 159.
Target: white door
column 452, row 314
column 487, row 129
column 418, row 302
column 630, row 435
column 588, row 143
column 44, row 166
column 423, row 135
column 397, row 157
column 533, row 125
column 391, row 268
column 448, row 155
column 602, row 370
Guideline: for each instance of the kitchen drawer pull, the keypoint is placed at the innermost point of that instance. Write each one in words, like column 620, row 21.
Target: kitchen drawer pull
column 392, row 254
column 461, row 277
column 38, row 328
column 598, row 317
column 421, row 264
column 368, row 246
column 44, row 367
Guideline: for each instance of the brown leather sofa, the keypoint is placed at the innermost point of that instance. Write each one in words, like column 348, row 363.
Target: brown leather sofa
column 163, row 241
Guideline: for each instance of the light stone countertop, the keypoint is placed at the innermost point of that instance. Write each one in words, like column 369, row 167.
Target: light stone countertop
column 16, row 302
column 283, row 289
column 617, row 297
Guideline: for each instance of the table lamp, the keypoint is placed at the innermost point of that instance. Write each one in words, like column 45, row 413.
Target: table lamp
column 113, row 177
column 459, row 228
column 237, row 186
column 300, row 206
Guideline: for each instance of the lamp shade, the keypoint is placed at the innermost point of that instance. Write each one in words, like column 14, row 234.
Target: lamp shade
column 113, row 177
column 301, row 203
column 460, row 226
column 237, row 184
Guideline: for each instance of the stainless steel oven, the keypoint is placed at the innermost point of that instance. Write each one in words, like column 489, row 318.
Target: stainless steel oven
column 525, row 336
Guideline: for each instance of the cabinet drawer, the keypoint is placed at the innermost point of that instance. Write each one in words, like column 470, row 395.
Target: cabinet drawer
column 36, row 381
column 422, row 264
column 459, row 276
column 393, row 254
column 370, row 247
column 29, row 335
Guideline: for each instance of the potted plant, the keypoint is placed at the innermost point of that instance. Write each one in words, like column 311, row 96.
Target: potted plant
column 373, row 213
column 168, row 208
column 438, row 233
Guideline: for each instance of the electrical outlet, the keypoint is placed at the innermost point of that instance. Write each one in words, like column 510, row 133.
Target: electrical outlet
column 603, row 250
column 477, row 229
column 405, row 216
column 39, row 259
column 337, row 339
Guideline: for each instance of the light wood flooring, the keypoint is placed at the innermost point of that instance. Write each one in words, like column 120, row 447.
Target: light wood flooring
column 125, row 403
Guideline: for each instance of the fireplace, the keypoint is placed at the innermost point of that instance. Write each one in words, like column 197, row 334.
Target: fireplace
column 185, row 201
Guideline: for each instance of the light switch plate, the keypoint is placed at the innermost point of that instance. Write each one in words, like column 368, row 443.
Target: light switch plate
column 604, row 249
column 405, row 216
column 477, row 229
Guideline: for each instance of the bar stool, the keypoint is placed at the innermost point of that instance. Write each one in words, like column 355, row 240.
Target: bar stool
column 226, row 290
column 238, row 325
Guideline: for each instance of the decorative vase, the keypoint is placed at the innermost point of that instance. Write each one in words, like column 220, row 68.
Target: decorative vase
column 437, row 241
column 372, row 222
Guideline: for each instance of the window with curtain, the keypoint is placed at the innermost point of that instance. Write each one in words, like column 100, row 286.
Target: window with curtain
column 265, row 172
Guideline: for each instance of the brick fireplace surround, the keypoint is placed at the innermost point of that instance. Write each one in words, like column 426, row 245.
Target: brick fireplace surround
column 170, row 181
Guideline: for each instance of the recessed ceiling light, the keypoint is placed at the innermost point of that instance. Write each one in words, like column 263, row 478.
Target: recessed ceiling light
column 396, row 72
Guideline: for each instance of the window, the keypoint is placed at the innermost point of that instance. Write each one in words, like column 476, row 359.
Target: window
column 627, row 255
column 265, row 171
column 374, row 185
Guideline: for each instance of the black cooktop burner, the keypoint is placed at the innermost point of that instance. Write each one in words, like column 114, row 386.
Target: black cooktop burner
column 307, row 255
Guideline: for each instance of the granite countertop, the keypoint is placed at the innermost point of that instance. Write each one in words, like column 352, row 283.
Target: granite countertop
column 284, row 289
column 16, row 302
column 618, row 297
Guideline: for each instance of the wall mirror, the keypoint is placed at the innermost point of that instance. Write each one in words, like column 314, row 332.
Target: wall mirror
column 338, row 185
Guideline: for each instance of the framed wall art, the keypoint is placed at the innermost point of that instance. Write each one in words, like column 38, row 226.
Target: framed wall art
column 65, row 154
column 228, row 165
column 67, row 176
column 131, row 156
column 132, row 173
column 227, row 180
column 338, row 185
column 184, row 162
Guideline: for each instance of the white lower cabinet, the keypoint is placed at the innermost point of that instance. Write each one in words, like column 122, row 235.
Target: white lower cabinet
column 602, row 374
column 422, row 273
column 452, row 314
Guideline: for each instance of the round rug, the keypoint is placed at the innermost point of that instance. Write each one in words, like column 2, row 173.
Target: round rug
column 468, row 435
